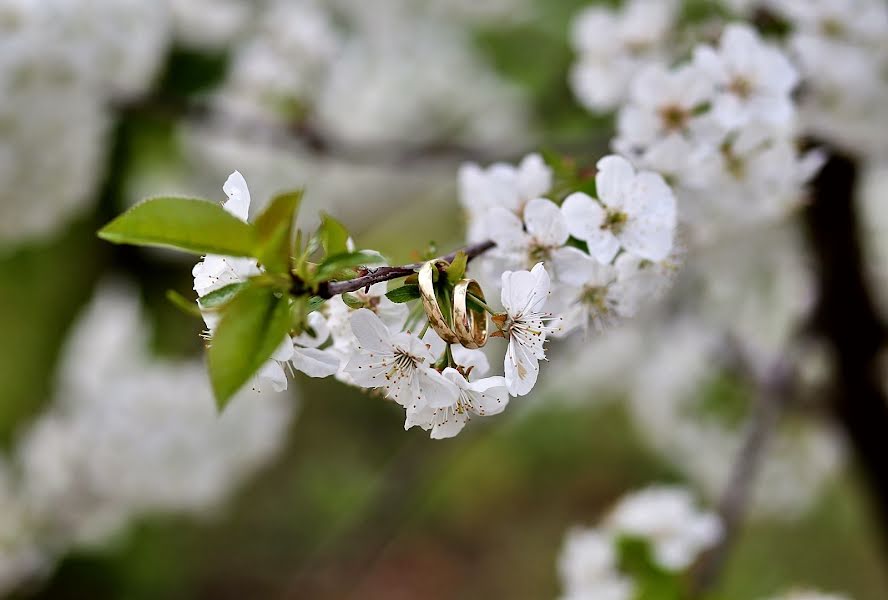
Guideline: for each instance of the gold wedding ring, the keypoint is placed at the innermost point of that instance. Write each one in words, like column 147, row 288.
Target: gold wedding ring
column 430, row 301
column 470, row 324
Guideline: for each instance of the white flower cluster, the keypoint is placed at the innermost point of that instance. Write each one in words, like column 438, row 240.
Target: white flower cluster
column 607, row 254
column 61, row 62
column 841, row 48
column 613, row 45
column 366, row 76
column 626, row 231
column 722, row 129
column 666, row 518
column 128, row 435
column 808, row 595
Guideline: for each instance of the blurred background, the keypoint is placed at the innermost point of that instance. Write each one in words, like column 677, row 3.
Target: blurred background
column 119, row 480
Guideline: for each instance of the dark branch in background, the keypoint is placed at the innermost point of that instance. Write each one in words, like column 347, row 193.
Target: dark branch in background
column 846, row 317
column 301, row 136
column 380, row 274
column 774, row 391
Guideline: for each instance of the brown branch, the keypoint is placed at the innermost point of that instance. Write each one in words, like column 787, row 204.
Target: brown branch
column 774, row 392
column 380, row 274
column 847, row 319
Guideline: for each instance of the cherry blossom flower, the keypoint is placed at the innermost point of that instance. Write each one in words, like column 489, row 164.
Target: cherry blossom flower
column 754, row 79
column 636, row 211
column 540, row 237
column 483, row 397
column 523, row 296
column 399, row 363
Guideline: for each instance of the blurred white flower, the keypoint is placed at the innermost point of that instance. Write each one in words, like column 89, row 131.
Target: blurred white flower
column 130, row 434
column 587, row 566
column 668, row 518
column 612, row 45
column 808, row 595
column 753, row 79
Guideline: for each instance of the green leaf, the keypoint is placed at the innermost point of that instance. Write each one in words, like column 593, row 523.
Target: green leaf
column 274, row 228
column 187, row 306
column 352, row 301
column 457, row 268
column 196, row 226
column 333, row 265
column 403, row 294
column 315, row 303
column 252, row 327
column 223, row 295
column 333, row 236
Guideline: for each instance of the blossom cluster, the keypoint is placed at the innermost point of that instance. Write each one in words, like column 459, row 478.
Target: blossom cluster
column 722, row 128
column 60, row 66
column 365, row 76
column 606, row 254
column 127, row 435
column 546, row 287
column 841, row 50
column 665, row 519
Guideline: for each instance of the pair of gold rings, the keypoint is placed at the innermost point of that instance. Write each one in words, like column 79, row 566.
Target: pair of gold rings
column 469, row 325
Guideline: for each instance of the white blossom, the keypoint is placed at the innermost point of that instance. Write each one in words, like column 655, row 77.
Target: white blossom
column 400, row 364
column 482, row 397
column 636, row 211
column 612, row 46
column 87, row 466
column 668, row 518
column 754, row 79
column 587, row 566
column 524, row 295
column 541, row 235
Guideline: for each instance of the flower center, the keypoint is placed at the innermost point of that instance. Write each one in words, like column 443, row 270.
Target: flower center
column 741, row 86
column 615, row 220
column 674, row 117
column 538, row 253
column 595, row 296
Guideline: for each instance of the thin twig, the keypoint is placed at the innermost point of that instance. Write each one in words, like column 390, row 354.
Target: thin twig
column 380, row 274
column 774, row 391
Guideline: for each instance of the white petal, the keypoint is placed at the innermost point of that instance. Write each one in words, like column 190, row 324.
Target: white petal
column 318, row 324
column 436, row 389
column 603, row 246
column 370, row 331
column 545, row 222
column 506, row 228
column 583, row 215
column 272, row 373
column 489, row 396
column 521, row 368
column 454, row 423
column 534, row 177
column 314, row 362
column 615, row 175
column 238, row 203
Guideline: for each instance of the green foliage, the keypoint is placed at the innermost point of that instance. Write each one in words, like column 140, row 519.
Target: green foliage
column 222, row 296
column 457, row 268
column 343, row 265
column 652, row 582
column 196, row 226
column 274, row 229
column 405, row 293
column 352, row 301
column 333, row 236
column 252, row 327
column 187, row 306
